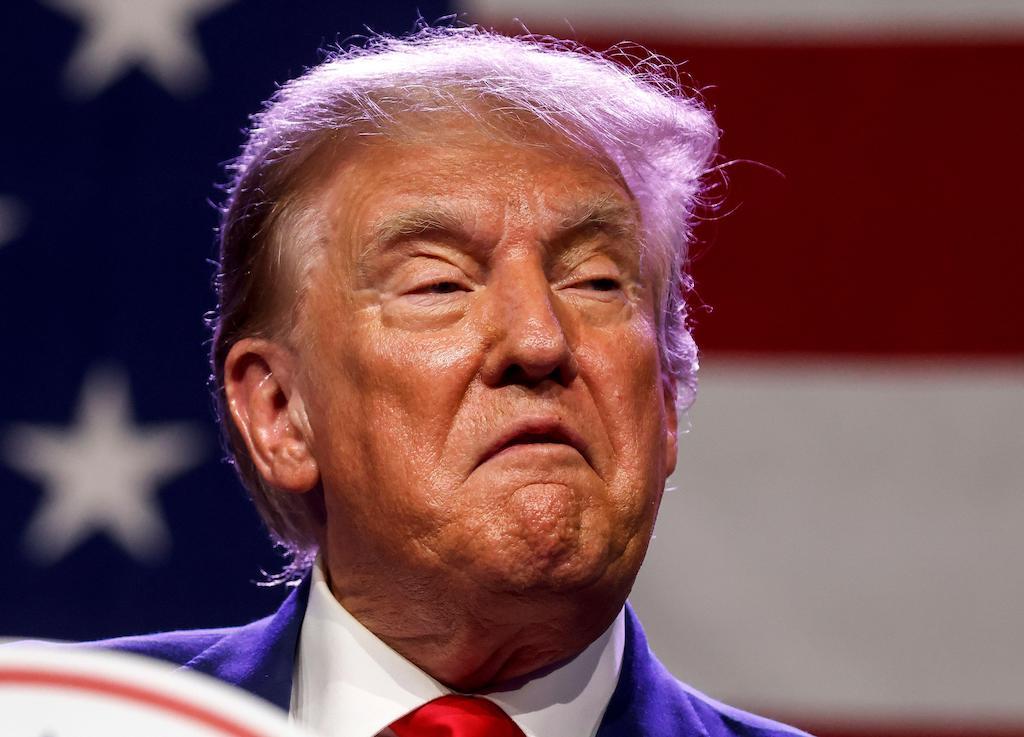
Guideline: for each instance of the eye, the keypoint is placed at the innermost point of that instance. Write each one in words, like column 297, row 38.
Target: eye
column 602, row 284
column 596, row 288
column 440, row 287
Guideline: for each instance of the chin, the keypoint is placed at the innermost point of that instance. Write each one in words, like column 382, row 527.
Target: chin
column 554, row 566
column 548, row 538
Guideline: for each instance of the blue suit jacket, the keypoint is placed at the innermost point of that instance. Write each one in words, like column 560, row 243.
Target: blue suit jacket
column 259, row 657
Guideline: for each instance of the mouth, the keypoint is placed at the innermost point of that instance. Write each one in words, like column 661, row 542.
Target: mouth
column 536, row 431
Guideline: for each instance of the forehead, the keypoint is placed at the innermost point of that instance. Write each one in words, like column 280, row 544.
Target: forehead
column 465, row 175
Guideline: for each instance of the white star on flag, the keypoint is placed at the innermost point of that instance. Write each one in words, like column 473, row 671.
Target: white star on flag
column 158, row 36
column 102, row 473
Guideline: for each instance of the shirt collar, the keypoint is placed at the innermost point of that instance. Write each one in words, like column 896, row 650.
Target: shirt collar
column 349, row 682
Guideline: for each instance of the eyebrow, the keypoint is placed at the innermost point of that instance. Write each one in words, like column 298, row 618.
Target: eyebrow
column 433, row 218
column 604, row 213
column 397, row 227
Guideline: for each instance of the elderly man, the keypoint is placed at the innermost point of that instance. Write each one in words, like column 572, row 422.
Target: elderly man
column 449, row 353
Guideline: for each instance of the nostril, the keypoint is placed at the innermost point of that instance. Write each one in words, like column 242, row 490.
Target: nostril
column 518, row 374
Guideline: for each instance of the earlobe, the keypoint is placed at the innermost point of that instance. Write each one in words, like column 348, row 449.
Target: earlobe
column 267, row 408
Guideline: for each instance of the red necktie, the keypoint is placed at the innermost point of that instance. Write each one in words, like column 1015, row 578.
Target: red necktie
column 457, row 716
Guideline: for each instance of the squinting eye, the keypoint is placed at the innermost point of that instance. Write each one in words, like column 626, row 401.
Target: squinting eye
column 442, row 287
column 603, row 284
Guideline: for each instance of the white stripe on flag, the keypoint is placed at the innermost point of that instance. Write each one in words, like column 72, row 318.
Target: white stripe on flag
column 847, row 539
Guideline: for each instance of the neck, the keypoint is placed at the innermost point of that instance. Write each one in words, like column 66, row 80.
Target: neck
column 479, row 642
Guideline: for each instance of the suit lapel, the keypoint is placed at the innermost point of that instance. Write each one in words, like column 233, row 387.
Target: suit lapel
column 260, row 656
column 647, row 699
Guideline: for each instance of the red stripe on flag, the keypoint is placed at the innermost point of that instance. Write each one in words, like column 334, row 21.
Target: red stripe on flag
column 897, row 227
column 897, row 224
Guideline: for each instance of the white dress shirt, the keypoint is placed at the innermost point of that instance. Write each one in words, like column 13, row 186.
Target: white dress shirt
column 348, row 683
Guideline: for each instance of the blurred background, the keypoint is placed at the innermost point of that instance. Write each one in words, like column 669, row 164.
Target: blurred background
column 842, row 545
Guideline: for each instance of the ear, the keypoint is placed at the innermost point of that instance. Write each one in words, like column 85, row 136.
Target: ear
column 267, row 408
column 671, row 425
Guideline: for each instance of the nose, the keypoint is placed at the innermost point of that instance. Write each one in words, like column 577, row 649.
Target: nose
column 530, row 331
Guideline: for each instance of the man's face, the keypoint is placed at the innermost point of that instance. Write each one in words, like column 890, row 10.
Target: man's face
column 478, row 359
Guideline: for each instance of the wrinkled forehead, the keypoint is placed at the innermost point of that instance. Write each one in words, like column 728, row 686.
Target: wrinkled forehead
column 449, row 171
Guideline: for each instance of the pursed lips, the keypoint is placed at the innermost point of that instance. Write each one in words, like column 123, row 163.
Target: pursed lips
column 536, row 430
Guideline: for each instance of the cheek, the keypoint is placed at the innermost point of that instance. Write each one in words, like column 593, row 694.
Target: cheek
column 389, row 423
column 623, row 367
column 423, row 374
column 623, row 373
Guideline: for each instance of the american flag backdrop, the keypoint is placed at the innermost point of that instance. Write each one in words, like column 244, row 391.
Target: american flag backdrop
column 843, row 543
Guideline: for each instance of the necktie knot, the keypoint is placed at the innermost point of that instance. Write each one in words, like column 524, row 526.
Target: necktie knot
column 457, row 716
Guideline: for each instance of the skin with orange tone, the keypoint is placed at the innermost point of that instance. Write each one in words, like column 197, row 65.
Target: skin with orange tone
column 474, row 383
